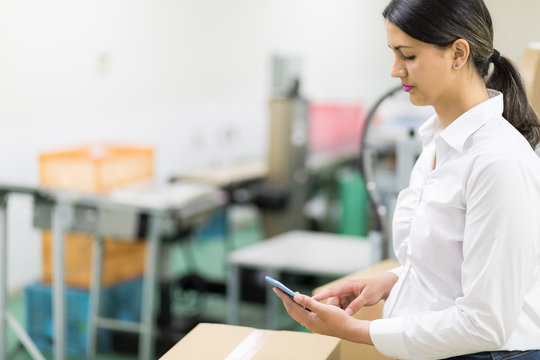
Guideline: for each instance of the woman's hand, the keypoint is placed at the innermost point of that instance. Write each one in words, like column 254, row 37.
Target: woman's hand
column 325, row 319
column 351, row 295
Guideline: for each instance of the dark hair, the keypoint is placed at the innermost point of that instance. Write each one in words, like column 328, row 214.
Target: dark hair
column 441, row 22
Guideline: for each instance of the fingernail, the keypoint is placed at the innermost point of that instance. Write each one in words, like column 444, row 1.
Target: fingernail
column 349, row 311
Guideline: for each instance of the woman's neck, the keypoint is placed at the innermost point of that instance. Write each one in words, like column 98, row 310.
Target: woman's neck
column 460, row 99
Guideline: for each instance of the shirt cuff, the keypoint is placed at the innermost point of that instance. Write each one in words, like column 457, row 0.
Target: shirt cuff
column 387, row 336
column 397, row 271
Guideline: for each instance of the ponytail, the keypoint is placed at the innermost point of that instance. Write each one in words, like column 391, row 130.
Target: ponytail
column 517, row 109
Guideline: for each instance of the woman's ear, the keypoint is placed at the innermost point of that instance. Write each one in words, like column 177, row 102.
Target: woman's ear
column 460, row 53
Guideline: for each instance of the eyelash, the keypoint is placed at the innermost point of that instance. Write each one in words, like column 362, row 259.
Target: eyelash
column 409, row 58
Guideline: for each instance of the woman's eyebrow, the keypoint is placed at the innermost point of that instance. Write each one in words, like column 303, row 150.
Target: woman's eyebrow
column 400, row 47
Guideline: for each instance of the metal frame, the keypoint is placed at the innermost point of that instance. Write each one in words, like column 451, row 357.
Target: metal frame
column 145, row 327
column 366, row 169
column 6, row 318
column 61, row 212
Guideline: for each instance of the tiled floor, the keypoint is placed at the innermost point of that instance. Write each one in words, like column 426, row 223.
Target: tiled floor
column 206, row 256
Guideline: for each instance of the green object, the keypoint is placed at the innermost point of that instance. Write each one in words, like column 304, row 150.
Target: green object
column 354, row 200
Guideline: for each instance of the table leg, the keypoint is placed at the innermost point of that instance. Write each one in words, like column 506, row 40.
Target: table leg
column 272, row 302
column 233, row 294
column 95, row 293
column 146, row 339
column 3, row 276
column 61, row 219
column 5, row 316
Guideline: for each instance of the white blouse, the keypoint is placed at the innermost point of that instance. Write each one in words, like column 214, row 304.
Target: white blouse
column 467, row 235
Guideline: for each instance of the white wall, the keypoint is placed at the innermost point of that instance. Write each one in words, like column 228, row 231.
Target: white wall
column 178, row 75
column 515, row 25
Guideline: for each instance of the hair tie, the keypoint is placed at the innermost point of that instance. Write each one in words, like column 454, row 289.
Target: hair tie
column 495, row 56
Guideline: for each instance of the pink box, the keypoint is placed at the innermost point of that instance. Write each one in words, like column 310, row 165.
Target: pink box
column 334, row 126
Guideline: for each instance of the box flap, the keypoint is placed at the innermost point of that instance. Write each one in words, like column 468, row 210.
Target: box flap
column 208, row 342
column 219, row 341
column 299, row 345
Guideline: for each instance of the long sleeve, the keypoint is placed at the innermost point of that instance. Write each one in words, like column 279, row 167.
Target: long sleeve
column 500, row 256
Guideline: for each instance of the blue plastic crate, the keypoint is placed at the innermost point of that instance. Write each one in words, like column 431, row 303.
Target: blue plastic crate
column 126, row 300
column 122, row 301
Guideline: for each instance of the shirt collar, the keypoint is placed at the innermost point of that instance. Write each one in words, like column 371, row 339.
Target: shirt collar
column 429, row 130
column 457, row 133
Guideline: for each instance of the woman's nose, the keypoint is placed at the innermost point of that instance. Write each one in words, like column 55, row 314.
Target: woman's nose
column 397, row 69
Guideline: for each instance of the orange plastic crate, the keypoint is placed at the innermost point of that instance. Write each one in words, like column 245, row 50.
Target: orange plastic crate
column 97, row 168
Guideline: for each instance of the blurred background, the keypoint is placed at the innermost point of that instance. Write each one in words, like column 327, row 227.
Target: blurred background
column 194, row 81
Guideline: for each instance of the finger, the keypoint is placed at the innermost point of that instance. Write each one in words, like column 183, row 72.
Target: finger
column 309, row 303
column 330, row 300
column 326, row 294
column 282, row 295
column 289, row 302
column 334, row 301
column 295, row 310
column 355, row 305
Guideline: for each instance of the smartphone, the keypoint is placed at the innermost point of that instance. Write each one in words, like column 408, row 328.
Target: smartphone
column 280, row 286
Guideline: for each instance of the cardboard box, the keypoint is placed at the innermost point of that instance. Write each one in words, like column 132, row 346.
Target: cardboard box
column 530, row 72
column 351, row 350
column 122, row 260
column 218, row 341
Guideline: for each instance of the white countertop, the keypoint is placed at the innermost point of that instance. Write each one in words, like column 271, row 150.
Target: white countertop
column 309, row 252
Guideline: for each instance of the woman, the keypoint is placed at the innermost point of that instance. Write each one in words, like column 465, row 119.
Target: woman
column 467, row 229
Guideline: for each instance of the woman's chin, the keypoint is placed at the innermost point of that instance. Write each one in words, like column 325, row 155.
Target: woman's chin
column 417, row 100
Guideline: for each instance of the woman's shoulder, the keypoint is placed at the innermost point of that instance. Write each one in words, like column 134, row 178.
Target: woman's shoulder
column 498, row 141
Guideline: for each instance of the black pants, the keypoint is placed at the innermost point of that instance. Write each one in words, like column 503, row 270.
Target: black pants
column 501, row 355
